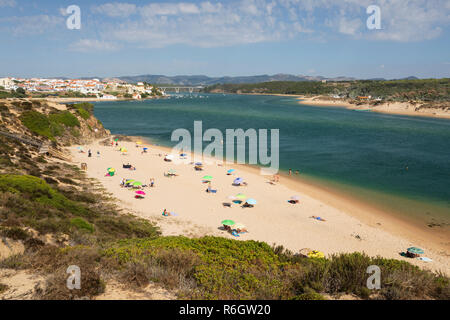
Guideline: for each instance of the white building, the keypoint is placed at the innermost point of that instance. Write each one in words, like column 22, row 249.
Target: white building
column 7, row 83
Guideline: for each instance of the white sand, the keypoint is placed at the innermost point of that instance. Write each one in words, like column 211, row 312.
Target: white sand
column 272, row 220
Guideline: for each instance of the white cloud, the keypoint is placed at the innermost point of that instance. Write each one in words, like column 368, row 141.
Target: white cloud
column 350, row 27
column 115, row 9
column 89, row 45
column 7, row 3
column 214, row 23
column 32, row 25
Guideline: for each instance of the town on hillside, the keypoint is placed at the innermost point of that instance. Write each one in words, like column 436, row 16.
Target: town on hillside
column 92, row 88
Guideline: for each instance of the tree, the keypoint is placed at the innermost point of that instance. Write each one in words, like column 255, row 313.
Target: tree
column 20, row 90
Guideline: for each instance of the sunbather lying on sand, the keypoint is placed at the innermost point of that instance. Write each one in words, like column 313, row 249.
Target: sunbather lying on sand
column 318, row 218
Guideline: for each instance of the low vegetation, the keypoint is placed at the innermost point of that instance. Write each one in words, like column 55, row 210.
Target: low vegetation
column 436, row 90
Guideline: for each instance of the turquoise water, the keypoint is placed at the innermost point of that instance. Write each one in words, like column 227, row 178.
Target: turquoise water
column 392, row 161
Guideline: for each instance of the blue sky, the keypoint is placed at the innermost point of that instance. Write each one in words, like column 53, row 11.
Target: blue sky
column 225, row 38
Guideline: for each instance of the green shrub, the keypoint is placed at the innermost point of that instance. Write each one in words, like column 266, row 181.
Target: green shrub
column 83, row 113
column 82, row 224
column 64, row 117
column 309, row 296
column 37, row 122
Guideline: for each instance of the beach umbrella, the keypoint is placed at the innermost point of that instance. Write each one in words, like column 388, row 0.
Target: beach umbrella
column 241, row 196
column 145, row 148
column 172, row 171
column 207, row 178
column 142, row 193
column 198, row 164
column 123, row 150
column 251, row 201
column 239, row 226
column 228, row 222
column 238, row 181
column 169, row 156
column 116, row 139
column 316, row 254
column 415, row 250
column 295, row 198
column 129, row 181
column 137, row 184
column 111, row 170
column 139, row 142
column 183, row 154
column 231, row 170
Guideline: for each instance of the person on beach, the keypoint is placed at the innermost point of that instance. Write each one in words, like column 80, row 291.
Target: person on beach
column 166, row 213
column 98, row 154
column 89, row 153
column 297, row 172
column 152, row 182
column 290, row 171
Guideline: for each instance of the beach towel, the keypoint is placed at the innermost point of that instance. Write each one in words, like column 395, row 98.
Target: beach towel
column 425, row 259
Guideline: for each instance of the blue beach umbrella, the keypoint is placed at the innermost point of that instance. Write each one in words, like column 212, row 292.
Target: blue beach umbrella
column 230, row 171
column 251, row 201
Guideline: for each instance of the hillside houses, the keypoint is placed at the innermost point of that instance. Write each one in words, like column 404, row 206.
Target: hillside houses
column 82, row 86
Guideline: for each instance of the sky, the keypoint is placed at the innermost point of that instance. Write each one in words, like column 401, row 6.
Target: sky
column 225, row 38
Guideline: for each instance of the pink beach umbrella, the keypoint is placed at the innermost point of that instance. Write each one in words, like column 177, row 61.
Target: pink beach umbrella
column 142, row 193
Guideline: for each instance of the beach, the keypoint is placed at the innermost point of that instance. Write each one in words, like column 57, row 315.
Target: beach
column 348, row 226
column 399, row 108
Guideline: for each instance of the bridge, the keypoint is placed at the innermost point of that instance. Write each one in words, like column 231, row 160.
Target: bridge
column 181, row 89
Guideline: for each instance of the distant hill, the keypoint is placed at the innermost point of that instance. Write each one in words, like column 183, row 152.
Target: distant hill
column 201, row 80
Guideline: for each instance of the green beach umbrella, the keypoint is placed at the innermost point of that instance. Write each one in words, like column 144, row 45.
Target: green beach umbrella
column 228, row 222
column 415, row 250
column 241, row 196
column 207, row 178
column 116, row 139
column 129, row 181
column 111, row 170
column 137, row 184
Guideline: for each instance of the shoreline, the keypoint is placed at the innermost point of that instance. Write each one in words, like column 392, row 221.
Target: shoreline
column 396, row 108
column 414, row 230
column 71, row 100
column 346, row 213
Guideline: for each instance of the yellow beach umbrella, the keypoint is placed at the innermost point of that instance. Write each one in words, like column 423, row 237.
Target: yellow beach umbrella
column 316, row 254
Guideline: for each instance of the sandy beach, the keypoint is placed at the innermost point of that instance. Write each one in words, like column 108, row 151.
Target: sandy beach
column 399, row 108
column 348, row 227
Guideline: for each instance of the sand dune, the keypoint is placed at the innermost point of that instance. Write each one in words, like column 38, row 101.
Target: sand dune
column 272, row 220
